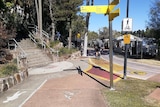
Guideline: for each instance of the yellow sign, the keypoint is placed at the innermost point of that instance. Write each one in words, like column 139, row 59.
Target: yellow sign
column 126, row 39
column 103, row 9
column 114, row 14
column 112, row 5
column 97, row 9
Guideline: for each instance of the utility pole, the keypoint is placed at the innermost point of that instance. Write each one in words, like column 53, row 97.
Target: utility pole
column 110, row 51
column 126, row 48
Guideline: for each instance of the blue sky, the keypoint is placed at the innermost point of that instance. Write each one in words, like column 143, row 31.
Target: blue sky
column 138, row 11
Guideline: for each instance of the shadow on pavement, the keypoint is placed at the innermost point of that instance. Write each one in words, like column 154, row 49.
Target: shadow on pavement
column 82, row 72
column 102, row 69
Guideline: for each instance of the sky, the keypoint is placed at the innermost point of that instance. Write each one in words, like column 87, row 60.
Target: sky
column 138, row 11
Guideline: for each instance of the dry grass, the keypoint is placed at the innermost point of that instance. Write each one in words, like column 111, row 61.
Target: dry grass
column 131, row 93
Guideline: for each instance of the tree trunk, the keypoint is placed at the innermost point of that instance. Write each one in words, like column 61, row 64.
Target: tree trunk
column 70, row 35
column 36, row 3
column 52, row 19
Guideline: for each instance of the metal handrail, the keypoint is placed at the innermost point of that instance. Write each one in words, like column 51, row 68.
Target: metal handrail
column 44, row 33
column 23, row 52
column 32, row 38
column 43, row 44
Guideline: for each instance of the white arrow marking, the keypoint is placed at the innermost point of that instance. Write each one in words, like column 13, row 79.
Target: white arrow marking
column 15, row 96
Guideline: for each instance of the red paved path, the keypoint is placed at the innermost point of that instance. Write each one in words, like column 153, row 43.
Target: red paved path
column 102, row 73
column 70, row 91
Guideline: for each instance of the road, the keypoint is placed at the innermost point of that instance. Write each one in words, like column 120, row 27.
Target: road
column 131, row 63
column 134, row 68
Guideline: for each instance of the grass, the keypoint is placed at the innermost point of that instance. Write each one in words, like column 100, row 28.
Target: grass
column 131, row 93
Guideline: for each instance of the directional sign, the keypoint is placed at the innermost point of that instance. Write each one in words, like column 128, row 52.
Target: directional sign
column 101, row 9
column 113, row 4
column 114, row 14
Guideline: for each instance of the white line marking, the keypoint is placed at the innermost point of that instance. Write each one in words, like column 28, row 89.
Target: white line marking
column 33, row 93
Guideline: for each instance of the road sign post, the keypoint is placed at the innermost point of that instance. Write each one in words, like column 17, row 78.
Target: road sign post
column 106, row 10
column 127, row 29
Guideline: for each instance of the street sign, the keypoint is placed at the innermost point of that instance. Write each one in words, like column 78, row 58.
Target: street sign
column 114, row 14
column 113, row 4
column 127, row 25
column 101, row 9
column 126, row 39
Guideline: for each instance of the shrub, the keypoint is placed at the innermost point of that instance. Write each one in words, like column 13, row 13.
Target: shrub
column 66, row 51
column 9, row 69
column 54, row 43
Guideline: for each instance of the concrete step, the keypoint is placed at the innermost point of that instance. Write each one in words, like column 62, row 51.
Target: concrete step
column 35, row 56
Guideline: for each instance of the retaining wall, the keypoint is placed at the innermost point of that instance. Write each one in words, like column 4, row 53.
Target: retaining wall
column 8, row 82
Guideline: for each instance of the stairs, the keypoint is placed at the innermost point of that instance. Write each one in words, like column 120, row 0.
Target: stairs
column 35, row 56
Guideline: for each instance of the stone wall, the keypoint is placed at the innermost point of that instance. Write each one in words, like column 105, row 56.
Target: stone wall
column 8, row 82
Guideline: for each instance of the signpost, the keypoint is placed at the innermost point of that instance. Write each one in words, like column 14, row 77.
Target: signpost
column 106, row 10
column 127, row 27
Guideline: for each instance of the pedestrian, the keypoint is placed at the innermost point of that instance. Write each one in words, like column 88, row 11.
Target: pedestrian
column 58, row 35
column 78, row 40
column 97, row 50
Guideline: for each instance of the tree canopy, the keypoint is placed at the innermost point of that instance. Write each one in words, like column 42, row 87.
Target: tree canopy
column 154, row 19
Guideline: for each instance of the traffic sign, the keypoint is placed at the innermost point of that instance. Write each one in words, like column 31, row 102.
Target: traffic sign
column 127, row 25
column 113, row 4
column 114, row 14
column 126, row 39
column 101, row 9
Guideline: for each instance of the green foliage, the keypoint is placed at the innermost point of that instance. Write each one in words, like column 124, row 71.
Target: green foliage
column 78, row 24
column 9, row 4
column 2, row 6
column 54, row 43
column 154, row 16
column 67, row 9
column 9, row 69
column 92, row 35
column 66, row 51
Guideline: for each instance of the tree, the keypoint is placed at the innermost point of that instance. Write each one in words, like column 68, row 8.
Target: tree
column 92, row 35
column 154, row 18
column 104, row 32
column 78, row 24
column 67, row 11
column 2, row 6
column 52, row 11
